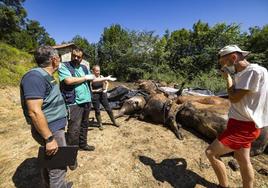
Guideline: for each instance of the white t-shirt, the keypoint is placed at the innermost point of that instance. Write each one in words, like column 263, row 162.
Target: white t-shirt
column 253, row 106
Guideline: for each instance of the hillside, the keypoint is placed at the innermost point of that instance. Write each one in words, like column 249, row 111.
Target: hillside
column 13, row 64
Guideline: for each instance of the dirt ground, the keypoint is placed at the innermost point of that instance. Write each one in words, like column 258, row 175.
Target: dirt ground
column 138, row 154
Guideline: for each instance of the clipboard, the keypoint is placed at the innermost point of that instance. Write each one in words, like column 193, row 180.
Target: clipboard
column 65, row 156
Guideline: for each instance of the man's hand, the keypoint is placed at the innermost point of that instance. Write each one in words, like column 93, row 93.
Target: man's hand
column 110, row 78
column 225, row 74
column 51, row 147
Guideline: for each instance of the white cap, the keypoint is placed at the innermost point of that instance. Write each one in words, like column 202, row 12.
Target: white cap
column 230, row 49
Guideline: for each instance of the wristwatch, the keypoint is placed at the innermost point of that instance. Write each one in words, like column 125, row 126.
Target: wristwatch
column 49, row 139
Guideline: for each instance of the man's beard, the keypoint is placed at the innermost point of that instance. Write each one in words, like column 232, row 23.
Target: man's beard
column 76, row 62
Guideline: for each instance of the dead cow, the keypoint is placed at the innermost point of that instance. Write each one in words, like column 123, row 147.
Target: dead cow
column 210, row 119
column 148, row 86
column 132, row 106
column 160, row 109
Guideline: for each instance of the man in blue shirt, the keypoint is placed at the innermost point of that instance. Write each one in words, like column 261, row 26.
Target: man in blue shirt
column 44, row 109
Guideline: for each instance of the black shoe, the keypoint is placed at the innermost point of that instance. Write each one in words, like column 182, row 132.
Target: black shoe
column 116, row 125
column 87, row 148
column 73, row 167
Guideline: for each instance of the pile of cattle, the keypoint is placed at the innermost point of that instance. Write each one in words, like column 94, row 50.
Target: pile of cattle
column 206, row 115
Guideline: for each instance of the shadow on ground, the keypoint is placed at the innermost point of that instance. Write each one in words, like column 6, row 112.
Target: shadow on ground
column 27, row 174
column 175, row 172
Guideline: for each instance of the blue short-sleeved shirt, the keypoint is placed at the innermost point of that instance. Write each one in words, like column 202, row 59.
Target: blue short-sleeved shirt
column 35, row 87
column 82, row 92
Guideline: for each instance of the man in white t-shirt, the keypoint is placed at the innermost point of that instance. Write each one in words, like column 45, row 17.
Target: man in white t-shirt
column 247, row 86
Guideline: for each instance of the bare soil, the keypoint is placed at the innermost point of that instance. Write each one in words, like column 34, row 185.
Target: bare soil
column 138, row 154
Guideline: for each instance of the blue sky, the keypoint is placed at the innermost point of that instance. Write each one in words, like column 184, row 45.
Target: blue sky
column 63, row 19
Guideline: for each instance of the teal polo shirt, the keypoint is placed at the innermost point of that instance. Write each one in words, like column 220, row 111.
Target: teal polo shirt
column 82, row 92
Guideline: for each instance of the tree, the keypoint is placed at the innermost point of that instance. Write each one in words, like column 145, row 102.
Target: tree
column 257, row 43
column 194, row 52
column 113, row 49
column 12, row 17
column 39, row 34
column 17, row 30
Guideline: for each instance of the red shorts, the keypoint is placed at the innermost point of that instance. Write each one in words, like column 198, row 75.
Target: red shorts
column 239, row 134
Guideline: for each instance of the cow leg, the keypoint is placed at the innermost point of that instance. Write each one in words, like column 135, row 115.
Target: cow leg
column 118, row 115
column 174, row 126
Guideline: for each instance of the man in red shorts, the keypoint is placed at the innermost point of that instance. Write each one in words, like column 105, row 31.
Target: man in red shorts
column 247, row 86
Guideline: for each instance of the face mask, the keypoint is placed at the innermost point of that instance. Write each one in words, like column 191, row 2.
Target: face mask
column 230, row 69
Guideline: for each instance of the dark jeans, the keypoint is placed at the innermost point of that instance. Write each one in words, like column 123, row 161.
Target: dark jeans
column 100, row 98
column 53, row 178
column 78, row 123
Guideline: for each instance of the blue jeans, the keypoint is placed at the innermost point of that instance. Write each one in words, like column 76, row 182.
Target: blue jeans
column 53, row 178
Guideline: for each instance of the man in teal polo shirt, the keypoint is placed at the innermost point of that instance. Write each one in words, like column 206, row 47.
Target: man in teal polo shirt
column 74, row 78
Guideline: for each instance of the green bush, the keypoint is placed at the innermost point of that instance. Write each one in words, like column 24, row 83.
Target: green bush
column 212, row 81
column 13, row 64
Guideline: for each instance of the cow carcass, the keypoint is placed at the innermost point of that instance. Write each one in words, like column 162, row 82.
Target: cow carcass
column 207, row 115
column 157, row 109
column 210, row 119
column 132, row 106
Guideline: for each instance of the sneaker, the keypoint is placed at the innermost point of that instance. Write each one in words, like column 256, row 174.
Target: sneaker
column 87, row 148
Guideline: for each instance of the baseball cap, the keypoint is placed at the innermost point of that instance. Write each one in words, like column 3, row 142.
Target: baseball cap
column 230, row 49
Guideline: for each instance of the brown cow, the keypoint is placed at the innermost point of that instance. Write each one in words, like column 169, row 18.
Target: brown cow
column 211, row 119
column 132, row 106
column 206, row 115
column 160, row 109
column 148, row 86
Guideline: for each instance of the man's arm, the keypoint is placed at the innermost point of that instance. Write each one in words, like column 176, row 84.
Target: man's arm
column 75, row 80
column 235, row 95
column 90, row 77
column 40, row 123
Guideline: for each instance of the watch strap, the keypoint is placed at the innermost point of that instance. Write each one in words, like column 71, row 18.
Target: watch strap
column 49, row 139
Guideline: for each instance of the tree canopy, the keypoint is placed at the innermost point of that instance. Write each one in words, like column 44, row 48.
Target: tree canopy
column 19, row 31
column 181, row 55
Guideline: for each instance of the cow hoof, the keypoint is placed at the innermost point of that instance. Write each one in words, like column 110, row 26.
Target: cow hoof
column 179, row 136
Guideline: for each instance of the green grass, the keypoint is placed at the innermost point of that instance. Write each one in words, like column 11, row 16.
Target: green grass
column 13, row 64
column 212, row 81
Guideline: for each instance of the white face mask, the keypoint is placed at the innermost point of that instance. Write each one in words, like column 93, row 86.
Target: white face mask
column 230, row 69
